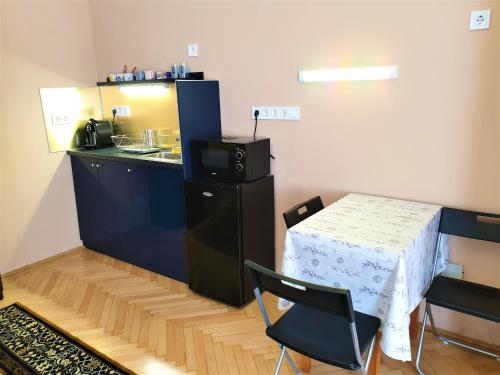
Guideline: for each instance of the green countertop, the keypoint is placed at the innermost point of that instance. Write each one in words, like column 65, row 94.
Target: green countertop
column 113, row 153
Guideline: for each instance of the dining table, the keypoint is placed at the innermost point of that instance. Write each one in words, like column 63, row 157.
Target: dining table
column 382, row 250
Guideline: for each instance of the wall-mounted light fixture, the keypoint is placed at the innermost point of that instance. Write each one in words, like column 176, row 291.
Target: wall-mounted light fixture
column 370, row 73
column 144, row 90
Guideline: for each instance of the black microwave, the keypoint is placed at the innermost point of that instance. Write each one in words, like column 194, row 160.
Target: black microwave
column 231, row 158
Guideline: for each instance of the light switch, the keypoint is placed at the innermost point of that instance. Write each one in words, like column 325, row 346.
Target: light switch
column 193, row 50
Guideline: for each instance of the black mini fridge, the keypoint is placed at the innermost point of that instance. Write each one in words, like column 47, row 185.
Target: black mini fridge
column 227, row 223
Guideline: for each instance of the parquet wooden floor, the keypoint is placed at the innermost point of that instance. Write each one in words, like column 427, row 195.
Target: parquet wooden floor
column 155, row 325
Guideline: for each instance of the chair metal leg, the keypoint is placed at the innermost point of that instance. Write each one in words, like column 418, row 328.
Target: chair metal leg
column 421, row 342
column 369, row 356
column 364, row 370
column 428, row 310
column 355, row 342
column 292, row 363
column 280, row 361
column 268, row 324
column 447, row 340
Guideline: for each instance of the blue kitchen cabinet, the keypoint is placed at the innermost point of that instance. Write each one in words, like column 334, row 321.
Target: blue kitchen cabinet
column 132, row 212
column 158, row 222
column 88, row 202
column 132, row 208
column 115, row 206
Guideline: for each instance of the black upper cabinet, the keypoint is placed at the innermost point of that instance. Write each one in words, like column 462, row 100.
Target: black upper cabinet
column 88, row 202
column 199, row 115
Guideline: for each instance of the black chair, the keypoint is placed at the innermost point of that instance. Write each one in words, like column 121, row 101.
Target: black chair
column 322, row 323
column 463, row 296
column 302, row 211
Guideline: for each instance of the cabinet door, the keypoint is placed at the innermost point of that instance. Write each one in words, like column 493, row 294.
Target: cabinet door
column 116, row 207
column 214, row 240
column 88, row 204
column 199, row 115
column 158, row 225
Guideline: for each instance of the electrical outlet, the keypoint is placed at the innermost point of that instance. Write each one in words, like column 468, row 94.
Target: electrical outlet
column 122, row 111
column 479, row 19
column 193, row 50
column 454, row 270
column 276, row 113
column 60, row 118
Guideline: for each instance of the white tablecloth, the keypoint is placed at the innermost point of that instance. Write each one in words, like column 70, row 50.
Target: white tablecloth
column 381, row 249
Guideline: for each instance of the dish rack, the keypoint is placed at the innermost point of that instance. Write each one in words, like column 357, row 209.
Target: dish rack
column 136, row 143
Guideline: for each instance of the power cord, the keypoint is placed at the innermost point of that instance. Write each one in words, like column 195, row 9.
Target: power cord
column 256, row 115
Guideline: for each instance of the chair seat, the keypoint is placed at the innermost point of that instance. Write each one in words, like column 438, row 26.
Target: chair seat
column 323, row 336
column 466, row 297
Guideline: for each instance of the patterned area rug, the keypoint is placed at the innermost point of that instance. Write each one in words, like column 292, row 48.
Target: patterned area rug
column 30, row 345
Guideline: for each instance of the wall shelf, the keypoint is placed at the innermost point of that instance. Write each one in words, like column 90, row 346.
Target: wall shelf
column 192, row 76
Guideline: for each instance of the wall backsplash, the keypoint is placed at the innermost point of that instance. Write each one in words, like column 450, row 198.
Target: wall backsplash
column 66, row 110
column 157, row 111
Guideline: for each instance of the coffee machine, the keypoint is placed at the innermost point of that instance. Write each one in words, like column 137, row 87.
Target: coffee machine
column 98, row 134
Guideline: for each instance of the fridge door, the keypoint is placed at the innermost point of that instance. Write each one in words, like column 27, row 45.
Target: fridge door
column 214, row 240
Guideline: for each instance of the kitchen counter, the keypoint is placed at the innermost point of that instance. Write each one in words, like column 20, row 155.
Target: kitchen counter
column 131, row 207
column 113, row 153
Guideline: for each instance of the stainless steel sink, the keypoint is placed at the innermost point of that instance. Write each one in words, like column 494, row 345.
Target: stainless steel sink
column 165, row 156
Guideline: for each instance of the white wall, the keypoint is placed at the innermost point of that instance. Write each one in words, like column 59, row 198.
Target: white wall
column 44, row 44
column 431, row 135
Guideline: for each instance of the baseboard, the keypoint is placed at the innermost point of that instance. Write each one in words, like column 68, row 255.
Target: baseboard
column 43, row 261
column 467, row 340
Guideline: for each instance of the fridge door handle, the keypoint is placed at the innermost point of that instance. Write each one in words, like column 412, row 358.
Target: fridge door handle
column 207, row 194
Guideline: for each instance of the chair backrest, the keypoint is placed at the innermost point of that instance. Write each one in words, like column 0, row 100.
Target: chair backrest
column 471, row 224
column 333, row 300
column 302, row 211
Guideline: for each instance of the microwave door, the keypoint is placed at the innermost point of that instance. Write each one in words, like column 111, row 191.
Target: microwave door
column 217, row 160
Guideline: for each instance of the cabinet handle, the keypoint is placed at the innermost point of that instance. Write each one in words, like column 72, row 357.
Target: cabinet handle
column 129, row 170
column 488, row 219
column 93, row 165
column 97, row 165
